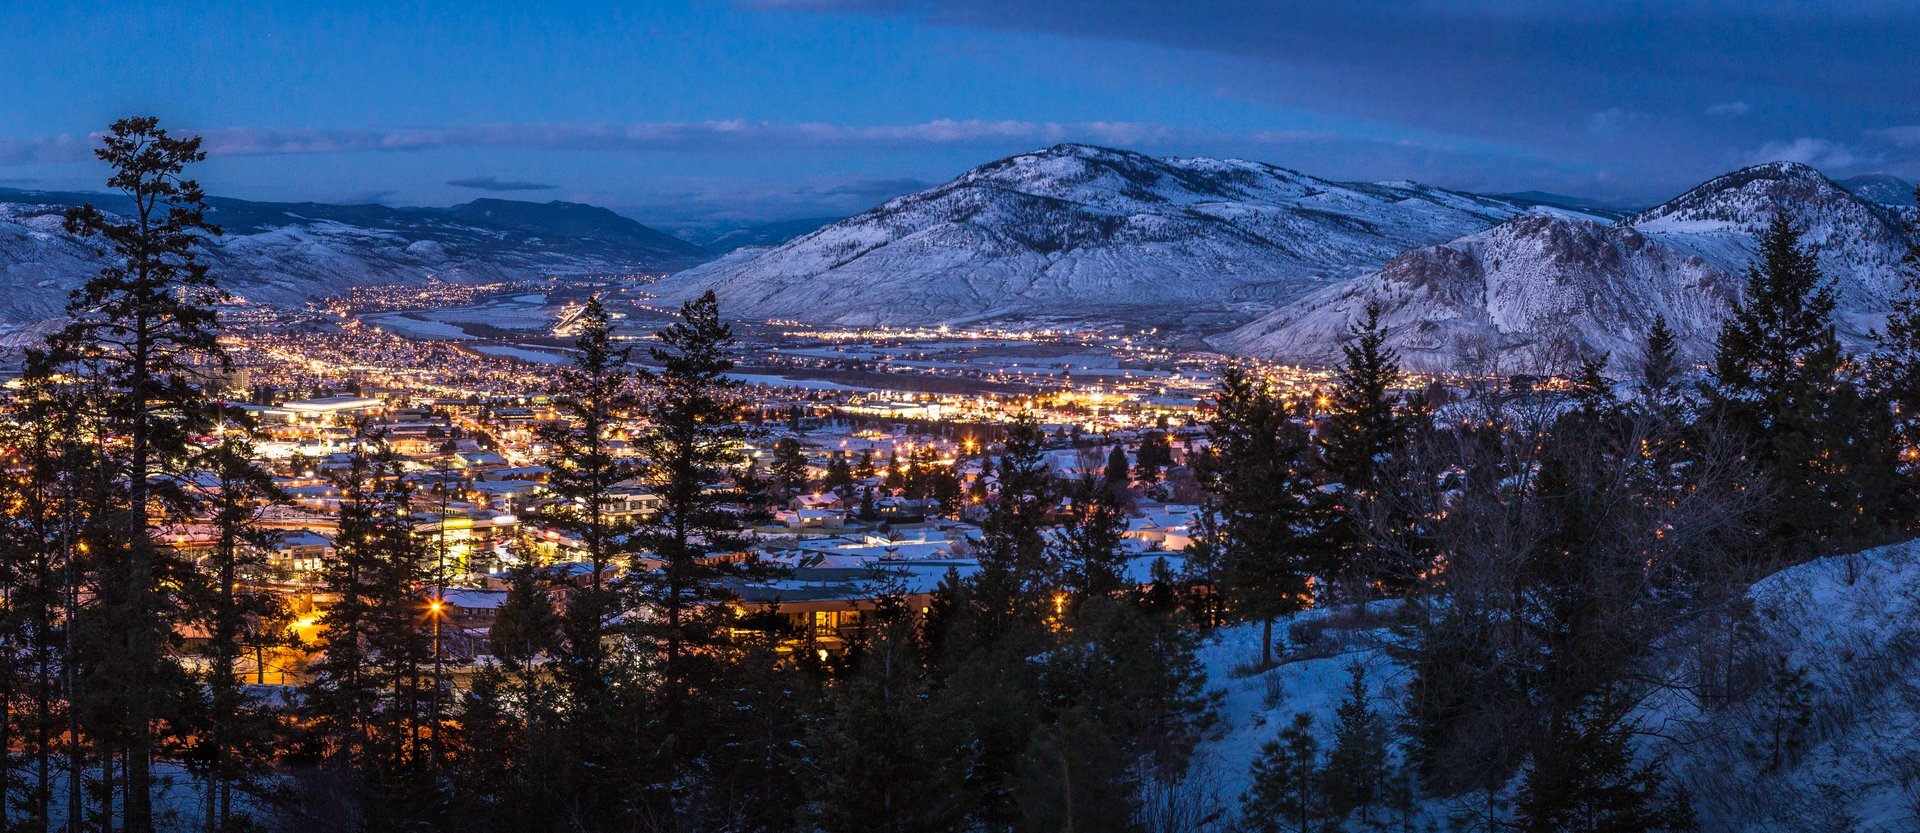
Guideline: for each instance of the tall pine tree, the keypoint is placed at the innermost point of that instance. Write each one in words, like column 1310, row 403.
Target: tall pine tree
column 144, row 329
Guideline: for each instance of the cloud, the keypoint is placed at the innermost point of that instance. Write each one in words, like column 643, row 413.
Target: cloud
column 1907, row 135
column 494, row 183
column 1820, row 153
column 1729, row 110
column 1612, row 122
column 642, row 137
column 702, row 137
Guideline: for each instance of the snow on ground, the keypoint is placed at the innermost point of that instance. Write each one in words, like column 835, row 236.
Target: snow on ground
column 525, row 354
column 406, row 324
column 1849, row 624
column 784, row 382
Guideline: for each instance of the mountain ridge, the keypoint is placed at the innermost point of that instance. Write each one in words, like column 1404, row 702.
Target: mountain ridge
column 1539, row 296
column 1088, row 232
column 288, row 252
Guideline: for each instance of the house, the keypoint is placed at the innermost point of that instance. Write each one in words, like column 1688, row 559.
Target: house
column 823, row 500
column 301, row 551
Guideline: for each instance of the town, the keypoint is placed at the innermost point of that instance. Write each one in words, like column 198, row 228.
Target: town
column 852, row 484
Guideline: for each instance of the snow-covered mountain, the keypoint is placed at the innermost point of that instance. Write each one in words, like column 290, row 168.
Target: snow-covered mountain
column 1076, row 231
column 1885, row 189
column 1537, row 294
column 287, row 252
column 1538, row 291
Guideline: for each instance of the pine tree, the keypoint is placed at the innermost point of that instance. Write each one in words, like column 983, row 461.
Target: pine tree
column 1776, row 365
column 1893, row 370
column 1585, row 780
column 595, row 399
column 370, row 693
column 880, row 742
column 1362, row 423
column 1015, row 572
column 789, row 465
column 143, row 328
column 1155, row 455
column 51, row 430
column 1285, row 796
column 236, row 743
column 1364, row 427
column 839, row 477
column 689, row 447
column 1088, row 545
column 1356, row 773
column 1265, row 500
column 1659, row 365
column 1592, row 392
column 1115, row 476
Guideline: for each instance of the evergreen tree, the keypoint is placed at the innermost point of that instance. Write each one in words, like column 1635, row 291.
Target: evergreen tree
column 1776, row 365
column 1286, row 793
column 1015, row 571
column 595, row 399
column 1585, row 780
column 1592, row 393
column 839, row 477
column 1894, row 370
column 371, row 691
column 52, row 431
column 1265, row 500
column 1356, row 773
column 789, row 465
column 1114, row 478
column 1088, row 545
column 235, row 746
column 1364, row 427
column 880, row 742
column 1156, row 454
column 1659, row 365
column 144, row 329
column 689, row 447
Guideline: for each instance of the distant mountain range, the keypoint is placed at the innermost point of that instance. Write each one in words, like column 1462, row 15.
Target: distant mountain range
column 288, row 252
column 1885, row 189
column 1540, row 293
column 1080, row 232
column 763, row 234
column 1256, row 259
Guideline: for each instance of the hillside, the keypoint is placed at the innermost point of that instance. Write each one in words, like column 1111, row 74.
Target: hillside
column 1076, row 232
column 287, row 252
column 1538, row 294
column 1849, row 624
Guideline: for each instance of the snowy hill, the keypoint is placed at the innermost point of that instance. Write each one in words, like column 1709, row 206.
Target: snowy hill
column 1538, row 291
column 286, row 252
column 1080, row 232
column 1537, row 294
column 1849, row 625
column 1885, row 189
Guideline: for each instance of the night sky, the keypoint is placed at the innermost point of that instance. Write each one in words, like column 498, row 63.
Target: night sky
column 692, row 113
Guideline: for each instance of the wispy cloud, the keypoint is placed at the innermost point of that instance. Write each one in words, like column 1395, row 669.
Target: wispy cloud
column 705, row 137
column 494, row 183
column 1820, row 153
column 1907, row 135
column 1729, row 109
column 643, row 137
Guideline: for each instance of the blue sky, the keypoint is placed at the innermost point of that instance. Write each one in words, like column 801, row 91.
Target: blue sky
column 716, row 112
